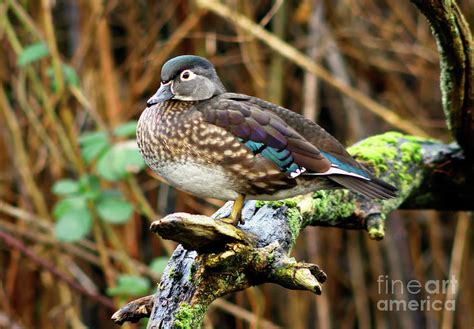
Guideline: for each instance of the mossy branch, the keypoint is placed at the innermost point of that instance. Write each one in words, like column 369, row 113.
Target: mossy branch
column 455, row 47
column 215, row 258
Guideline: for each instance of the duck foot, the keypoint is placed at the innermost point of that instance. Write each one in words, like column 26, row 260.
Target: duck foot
column 235, row 217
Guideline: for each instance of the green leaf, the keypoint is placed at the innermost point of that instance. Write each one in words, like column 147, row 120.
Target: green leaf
column 91, row 151
column 130, row 285
column 89, row 186
column 91, row 138
column 93, row 144
column 119, row 161
column 127, row 129
column 69, row 204
column 73, row 225
column 89, row 182
column 105, row 166
column 32, row 53
column 114, row 209
column 158, row 264
column 70, row 75
column 65, row 187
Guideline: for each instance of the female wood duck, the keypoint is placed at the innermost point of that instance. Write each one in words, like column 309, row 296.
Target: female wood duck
column 228, row 146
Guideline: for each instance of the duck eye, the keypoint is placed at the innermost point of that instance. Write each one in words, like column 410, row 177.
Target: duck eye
column 187, row 75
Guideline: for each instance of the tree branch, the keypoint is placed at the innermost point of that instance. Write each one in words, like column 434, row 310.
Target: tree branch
column 215, row 258
column 455, row 46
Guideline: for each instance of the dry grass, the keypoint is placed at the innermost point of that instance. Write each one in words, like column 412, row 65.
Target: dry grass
column 356, row 67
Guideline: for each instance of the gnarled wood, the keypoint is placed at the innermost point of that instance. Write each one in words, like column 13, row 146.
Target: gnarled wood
column 455, row 46
column 230, row 258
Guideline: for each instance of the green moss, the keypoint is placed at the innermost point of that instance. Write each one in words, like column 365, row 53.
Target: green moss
column 332, row 206
column 193, row 270
column 375, row 151
column 410, row 155
column 406, row 178
column 417, row 139
column 392, row 153
column 189, row 316
column 271, row 257
column 401, row 151
column 284, row 272
column 294, row 222
column 411, row 152
column 172, row 272
column 376, row 227
column 376, row 233
column 290, row 203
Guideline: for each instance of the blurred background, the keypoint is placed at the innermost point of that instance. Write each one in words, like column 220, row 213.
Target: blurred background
column 76, row 199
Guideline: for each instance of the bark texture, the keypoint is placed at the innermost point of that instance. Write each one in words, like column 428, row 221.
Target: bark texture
column 215, row 258
column 455, row 47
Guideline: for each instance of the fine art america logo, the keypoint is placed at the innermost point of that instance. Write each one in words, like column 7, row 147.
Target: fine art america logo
column 415, row 295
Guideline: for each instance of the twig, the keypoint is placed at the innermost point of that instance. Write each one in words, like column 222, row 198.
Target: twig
column 51, row 41
column 457, row 256
column 356, row 274
column 141, row 308
column 21, row 155
column 159, row 53
column 306, row 63
column 85, row 249
column 18, row 245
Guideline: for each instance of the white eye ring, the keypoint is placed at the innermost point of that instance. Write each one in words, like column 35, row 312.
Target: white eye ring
column 187, row 75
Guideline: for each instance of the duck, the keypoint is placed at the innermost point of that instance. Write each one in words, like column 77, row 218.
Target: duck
column 217, row 144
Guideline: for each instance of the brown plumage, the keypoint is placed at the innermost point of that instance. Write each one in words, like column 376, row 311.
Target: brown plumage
column 224, row 145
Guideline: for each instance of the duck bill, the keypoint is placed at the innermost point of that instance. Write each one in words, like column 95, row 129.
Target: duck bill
column 164, row 93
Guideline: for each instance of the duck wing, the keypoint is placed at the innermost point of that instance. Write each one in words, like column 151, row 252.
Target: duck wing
column 295, row 144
